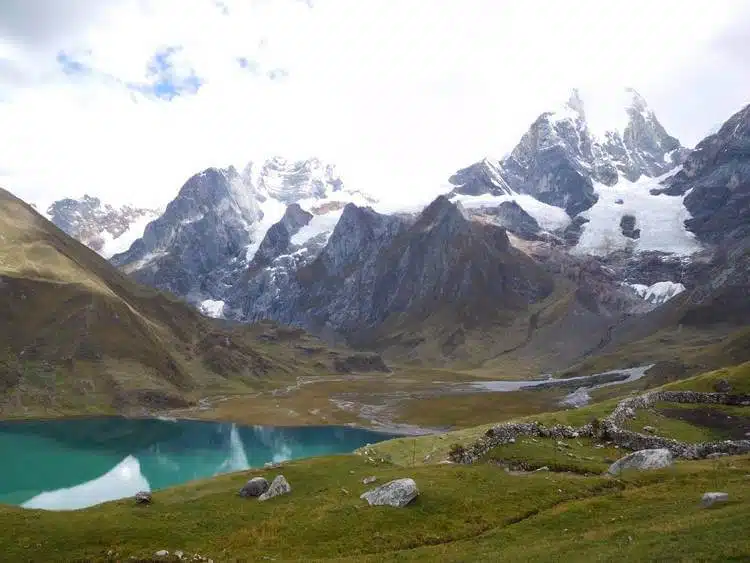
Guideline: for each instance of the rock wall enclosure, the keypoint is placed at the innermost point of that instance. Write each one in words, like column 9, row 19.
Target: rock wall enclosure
column 610, row 429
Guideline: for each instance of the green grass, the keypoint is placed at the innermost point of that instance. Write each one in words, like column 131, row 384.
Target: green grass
column 657, row 518
column 738, row 376
column 318, row 519
column 474, row 513
column 578, row 455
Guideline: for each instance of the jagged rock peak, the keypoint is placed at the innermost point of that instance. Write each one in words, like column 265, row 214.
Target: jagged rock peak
column 485, row 176
column 576, row 103
column 637, row 102
column 442, row 211
column 97, row 224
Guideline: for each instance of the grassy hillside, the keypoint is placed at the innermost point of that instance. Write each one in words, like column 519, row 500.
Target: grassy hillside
column 480, row 512
column 80, row 337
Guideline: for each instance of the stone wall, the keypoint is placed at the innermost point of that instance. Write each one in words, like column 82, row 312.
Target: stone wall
column 610, row 429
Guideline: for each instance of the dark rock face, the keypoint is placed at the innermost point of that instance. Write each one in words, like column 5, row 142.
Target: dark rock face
column 572, row 233
column 375, row 266
column 485, row 177
column 90, row 221
column 513, row 218
column 201, row 230
column 199, row 247
column 718, row 173
column 627, row 226
column 360, row 363
column 279, row 237
column 647, row 268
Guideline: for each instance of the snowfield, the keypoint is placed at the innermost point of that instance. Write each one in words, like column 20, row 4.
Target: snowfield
column 549, row 217
column 122, row 243
column 660, row 218
column 658, row 293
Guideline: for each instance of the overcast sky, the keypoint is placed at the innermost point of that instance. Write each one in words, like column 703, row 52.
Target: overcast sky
column 125, row 99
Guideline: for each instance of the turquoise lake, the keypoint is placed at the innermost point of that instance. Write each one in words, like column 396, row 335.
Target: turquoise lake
column 75, row 463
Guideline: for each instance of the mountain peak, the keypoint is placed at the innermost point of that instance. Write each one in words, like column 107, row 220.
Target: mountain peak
column 575, row 102
column 100, row 226
column 637, row 102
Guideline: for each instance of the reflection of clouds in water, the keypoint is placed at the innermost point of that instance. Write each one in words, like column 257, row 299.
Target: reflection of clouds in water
column 124, row 480
column 163, row 460
column 274, row 440
column 237, row 460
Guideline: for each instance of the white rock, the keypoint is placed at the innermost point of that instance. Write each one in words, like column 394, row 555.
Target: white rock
column 397, row 493
column 368, row 480
column 709, row 499
column 643, row 459
column 279, row 486
column 162, row 553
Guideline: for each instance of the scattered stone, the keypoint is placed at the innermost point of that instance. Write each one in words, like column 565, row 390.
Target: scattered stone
column 722, row 386
column 345, row 491
column 512, row 441
column 372, row 479
column 279, row 486
column 111, row 553
column 709, row 499
column 563, row 444
column 544, row 468
column 179, row 554
column 162, row 553
column 143, row 497
column 397, row 493
column 716, row 455
column 271, row 465
column 649, row 429
column 254, row 487
column 641, row 460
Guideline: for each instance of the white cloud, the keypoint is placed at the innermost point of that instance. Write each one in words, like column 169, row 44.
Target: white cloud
column 398, row 94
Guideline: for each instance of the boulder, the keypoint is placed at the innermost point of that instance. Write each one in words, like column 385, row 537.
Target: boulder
column 279, row 486
column 643, row 459
column 143, row 497
column 254, row 487
column 709, row 499
column 396, row 493
column 722, row 386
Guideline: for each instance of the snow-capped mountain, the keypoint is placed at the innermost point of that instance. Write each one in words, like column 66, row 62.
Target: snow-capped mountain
column 595, row 224
column 594, row 188
column 224, row 222
column 102, row 227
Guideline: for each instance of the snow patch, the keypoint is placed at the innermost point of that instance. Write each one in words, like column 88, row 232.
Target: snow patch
column 273, row 210
column 658, row 293
column 122, row 243
column 212, row 308
column 660, row 218
column 318, row 225
column 549, row 217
